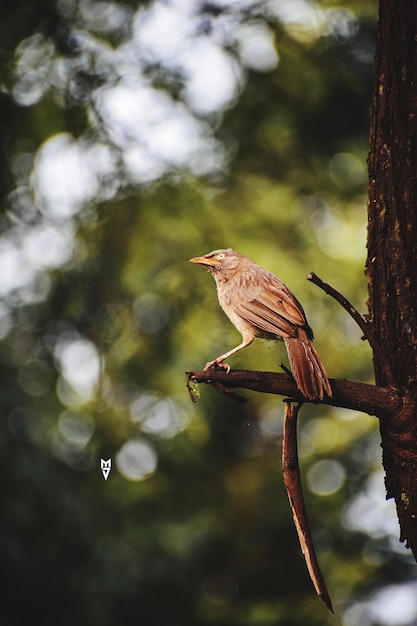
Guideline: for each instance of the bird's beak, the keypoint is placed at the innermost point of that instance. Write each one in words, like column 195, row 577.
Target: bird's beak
column 202, row 260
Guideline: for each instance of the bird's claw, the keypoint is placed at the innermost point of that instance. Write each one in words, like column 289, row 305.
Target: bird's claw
column 218, row 364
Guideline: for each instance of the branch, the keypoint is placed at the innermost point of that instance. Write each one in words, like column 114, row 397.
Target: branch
column 361, row 322
column 379, row 401
column 292, row 482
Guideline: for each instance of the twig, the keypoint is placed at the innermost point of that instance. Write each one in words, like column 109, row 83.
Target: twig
column 361, row 322
column 292, row 482
column 230, row 394
column 286, row 370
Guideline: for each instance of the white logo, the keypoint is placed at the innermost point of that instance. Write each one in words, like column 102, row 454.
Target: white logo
column 105, row 467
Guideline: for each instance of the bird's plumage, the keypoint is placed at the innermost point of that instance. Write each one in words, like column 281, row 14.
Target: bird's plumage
column 260, row 305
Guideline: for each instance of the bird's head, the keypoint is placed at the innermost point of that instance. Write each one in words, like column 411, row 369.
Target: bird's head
column 219, row 260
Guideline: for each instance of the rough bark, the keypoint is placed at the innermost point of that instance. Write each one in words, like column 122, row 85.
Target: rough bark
column 392, row 246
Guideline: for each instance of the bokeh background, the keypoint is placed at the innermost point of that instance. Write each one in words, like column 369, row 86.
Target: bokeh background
column 134, row 136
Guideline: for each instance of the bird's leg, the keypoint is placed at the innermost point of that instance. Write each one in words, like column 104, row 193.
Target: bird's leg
column 219, row 361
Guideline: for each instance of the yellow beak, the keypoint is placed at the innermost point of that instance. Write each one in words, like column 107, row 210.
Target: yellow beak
column 202, row 260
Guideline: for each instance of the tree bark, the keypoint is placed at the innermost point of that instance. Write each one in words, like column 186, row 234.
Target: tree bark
column 392, row 246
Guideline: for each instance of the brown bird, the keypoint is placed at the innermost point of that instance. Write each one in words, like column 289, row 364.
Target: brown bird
column 259, row 305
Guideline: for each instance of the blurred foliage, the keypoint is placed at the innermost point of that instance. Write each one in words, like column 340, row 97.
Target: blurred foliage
column 105, row 198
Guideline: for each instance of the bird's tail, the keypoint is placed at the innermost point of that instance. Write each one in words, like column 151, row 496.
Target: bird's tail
column 306, row 367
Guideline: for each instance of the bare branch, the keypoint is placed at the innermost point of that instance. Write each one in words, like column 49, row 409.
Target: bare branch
column 379, row 401
column 354, row 313
column 361, row 322
column 292, row 482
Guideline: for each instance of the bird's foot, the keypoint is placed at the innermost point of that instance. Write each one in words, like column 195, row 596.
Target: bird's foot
column 218, row 364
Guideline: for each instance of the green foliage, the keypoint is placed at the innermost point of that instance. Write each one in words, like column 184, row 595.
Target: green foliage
column 101, row 316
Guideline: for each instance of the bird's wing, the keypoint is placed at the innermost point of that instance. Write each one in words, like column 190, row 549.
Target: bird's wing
column 272, row 308
column 265, row 320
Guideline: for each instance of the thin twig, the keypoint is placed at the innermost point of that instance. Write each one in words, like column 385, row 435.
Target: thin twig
column 230, row 394
column 361, row 322
column 286, row 370
column 292, row 482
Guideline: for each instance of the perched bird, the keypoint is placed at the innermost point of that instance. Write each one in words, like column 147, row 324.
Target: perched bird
column 259, row 305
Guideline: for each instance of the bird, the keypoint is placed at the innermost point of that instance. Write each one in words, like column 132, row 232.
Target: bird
column 260, row 305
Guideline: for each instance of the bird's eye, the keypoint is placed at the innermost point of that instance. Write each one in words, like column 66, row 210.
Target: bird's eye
column 220, row 256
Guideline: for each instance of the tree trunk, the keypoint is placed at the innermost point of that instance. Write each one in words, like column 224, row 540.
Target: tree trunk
column 392, row 246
